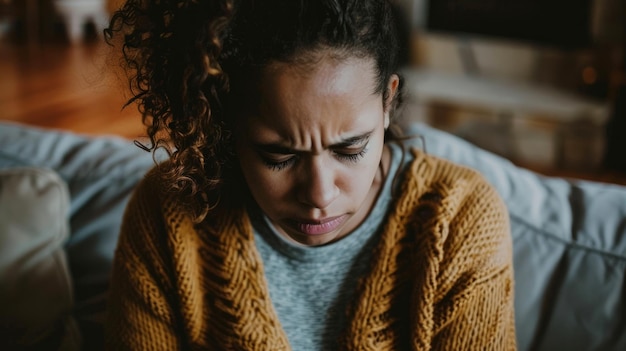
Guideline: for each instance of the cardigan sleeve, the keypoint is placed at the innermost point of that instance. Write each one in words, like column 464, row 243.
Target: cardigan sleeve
column 140, row 309
column 474, row 303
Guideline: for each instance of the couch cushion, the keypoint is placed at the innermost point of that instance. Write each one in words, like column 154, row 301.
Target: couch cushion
column 35, row 284
column 569, row 244
column 100, row 173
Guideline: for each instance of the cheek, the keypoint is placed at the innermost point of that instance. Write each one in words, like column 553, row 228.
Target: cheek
column 264, row 184
column 355, row 185
column 357, row 180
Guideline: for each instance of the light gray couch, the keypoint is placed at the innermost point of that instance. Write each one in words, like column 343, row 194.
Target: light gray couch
column 62, row 197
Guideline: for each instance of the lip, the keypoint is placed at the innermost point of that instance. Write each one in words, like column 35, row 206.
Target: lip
column 317, row 227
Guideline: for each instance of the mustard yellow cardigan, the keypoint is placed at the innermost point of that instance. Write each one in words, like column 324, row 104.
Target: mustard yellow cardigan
column 441, row 276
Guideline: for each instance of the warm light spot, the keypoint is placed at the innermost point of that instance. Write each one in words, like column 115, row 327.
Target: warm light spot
column 590, row 75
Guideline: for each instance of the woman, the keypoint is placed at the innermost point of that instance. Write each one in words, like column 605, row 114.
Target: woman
column 288, row 216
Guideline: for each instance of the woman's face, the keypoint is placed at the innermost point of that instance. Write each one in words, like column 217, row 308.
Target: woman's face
column 311, row 148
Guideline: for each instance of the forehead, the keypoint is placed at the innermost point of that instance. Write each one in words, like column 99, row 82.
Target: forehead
column 326, row 77
column 326, row 99
column 325, row 81
column 315, row 72
column 317, row 77
column 312, row 61
column 252, row 84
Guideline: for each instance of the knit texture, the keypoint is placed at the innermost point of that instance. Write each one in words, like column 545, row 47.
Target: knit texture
column 441, row 275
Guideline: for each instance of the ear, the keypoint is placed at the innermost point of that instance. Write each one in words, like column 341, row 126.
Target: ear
column 392, row 89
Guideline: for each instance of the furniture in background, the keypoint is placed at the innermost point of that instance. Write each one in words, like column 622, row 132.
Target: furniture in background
column 536, row 82
column 529, row 124
column 36, row 18
column 63, row 195
column 77, row 13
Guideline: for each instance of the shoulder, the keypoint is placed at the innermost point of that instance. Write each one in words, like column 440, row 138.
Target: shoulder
column 159, row 195
column 151, row 195
column 459, row 210
column 158, row 211
column 459, row 185
column 153, row 214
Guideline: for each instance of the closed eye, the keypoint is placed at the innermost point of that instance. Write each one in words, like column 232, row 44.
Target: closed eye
column 351, row 156
column 277, row 162
column 278, row 157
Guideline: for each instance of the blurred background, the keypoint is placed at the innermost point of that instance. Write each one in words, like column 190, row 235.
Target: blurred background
column 540, row 82
column 56, row 70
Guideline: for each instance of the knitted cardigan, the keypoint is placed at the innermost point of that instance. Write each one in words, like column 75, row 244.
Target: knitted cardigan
column 441, row 276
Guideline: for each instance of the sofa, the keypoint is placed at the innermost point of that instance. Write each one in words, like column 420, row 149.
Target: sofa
column 62, row 196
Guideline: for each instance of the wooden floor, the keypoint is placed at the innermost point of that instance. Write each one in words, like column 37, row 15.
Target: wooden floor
column 66, row 87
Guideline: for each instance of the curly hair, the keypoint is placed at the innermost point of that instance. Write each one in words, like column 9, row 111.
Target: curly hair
column 189, row 61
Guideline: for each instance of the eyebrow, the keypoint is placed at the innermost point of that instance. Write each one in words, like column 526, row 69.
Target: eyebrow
column 278, row 148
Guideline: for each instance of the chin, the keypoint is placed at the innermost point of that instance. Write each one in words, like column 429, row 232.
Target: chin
column 312, row 240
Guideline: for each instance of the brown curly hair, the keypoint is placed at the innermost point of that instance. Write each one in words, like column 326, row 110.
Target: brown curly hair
column 189, row 62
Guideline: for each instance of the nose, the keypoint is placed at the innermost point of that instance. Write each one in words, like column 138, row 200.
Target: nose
column 317, row 187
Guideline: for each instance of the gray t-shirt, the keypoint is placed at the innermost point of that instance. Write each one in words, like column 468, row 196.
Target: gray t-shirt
column 310, row 287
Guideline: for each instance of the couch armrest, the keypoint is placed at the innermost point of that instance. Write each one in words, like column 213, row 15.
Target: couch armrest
column 100, row 173
column 35, row 282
